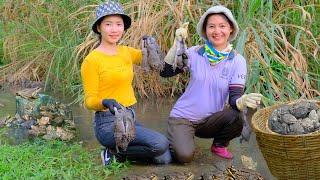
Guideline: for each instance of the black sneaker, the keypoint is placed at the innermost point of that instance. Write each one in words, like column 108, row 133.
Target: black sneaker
column 106, row 157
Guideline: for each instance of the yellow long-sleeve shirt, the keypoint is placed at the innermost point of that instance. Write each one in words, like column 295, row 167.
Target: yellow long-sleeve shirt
column 109, row 77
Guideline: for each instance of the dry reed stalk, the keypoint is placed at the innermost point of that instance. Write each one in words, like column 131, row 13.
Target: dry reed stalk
column 273, row 43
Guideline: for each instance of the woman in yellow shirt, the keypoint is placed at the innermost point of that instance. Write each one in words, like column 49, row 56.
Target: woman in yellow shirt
column 107, row 74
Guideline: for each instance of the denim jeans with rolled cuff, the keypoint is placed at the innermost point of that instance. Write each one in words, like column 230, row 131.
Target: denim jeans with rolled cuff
column 147, row 145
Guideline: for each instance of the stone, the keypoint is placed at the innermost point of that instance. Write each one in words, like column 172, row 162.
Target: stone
column 37, row 130
column 46, row 114
column 248, row 162
column 64, row 135
column 43, row 121
column 57, row 121
column 51, row 133
column 69, row 124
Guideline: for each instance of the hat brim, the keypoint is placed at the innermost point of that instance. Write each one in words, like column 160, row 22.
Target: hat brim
column 126, row 21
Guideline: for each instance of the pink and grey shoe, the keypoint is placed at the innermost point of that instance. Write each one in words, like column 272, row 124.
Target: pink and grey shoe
column 221, row 151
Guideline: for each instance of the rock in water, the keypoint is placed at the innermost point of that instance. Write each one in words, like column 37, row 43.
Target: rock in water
column 248, row 162
column 42, row 116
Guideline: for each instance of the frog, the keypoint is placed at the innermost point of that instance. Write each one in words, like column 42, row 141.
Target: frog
column 29, row 93
column 124, row 128
column 152, row 56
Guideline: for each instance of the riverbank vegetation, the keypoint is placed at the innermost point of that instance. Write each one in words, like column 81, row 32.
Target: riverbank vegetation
column 41, row 159
column 47, row 41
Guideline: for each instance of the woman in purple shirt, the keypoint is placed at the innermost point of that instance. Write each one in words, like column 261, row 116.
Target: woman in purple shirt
column 217, row 75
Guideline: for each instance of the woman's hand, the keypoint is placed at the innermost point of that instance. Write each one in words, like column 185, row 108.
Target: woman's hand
column 111, row 104
column 251, row 100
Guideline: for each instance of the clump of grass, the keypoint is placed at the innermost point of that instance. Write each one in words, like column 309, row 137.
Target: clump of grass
column 281, row 47
column 52, row 160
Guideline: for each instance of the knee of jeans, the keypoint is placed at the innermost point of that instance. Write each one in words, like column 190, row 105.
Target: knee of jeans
column 184, row 156
column 161, row 145
column 164, row 158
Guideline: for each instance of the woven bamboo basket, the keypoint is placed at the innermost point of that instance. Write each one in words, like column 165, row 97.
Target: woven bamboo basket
column 287, row 156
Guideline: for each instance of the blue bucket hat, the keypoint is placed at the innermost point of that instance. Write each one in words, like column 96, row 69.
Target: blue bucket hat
column 110, row 8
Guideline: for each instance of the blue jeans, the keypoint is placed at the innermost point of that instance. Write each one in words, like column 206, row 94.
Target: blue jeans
column 148, row 144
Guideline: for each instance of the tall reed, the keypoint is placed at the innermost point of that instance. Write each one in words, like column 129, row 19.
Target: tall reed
column 280, row 40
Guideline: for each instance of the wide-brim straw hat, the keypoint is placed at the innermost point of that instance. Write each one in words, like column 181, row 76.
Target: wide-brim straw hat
column 110, row 8
column 215, row 10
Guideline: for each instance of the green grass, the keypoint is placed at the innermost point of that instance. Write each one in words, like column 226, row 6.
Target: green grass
column 53, row 160
column 1, row 45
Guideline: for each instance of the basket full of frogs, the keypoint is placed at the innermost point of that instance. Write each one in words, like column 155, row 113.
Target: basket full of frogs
column 42, row 115
column 289, row 138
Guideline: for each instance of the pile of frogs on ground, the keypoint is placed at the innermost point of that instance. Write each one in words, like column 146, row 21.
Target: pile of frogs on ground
column 301, row 117
column 42, row 115
column 230, row 173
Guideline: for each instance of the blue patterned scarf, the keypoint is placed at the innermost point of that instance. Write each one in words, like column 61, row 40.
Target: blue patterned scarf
column 215, row 56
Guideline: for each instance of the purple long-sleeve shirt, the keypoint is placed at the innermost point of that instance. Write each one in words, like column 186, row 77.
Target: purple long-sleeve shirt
column 208, row 88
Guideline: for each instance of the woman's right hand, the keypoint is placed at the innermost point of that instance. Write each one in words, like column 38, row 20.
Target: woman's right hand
column 111, row 104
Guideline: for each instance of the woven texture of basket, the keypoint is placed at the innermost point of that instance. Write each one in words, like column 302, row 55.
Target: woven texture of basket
column 288, row 156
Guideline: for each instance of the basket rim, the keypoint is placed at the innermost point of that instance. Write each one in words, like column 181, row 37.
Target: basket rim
column 259, row 130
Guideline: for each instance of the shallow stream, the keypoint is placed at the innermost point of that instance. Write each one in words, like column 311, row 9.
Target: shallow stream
column 153, row 114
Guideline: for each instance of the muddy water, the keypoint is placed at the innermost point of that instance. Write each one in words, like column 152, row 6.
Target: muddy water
column 153, row 114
